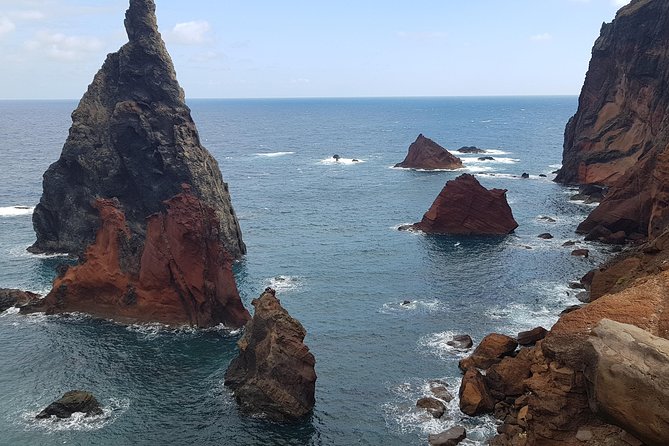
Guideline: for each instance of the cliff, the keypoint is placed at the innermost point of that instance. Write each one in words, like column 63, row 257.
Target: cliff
column 132, row 138
column 465, row 207
column 179, row 274
column 273, row 375
column 427, row 154
column 621, row 116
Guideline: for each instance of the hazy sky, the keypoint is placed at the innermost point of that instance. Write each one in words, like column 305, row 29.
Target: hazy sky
column 313, row 48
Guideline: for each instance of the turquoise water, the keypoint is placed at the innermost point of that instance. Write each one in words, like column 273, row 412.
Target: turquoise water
column 323, row 234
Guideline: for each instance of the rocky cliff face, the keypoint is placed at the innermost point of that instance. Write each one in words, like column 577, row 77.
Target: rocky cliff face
column 274, row 373
column 427, row 154
column 621, row 115
column 465, row 207
column 178, row 274
column 132, row 138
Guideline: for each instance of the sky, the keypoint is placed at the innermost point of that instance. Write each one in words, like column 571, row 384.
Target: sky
column 51, row 49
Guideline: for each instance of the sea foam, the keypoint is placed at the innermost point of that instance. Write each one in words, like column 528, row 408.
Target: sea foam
column 13, row 211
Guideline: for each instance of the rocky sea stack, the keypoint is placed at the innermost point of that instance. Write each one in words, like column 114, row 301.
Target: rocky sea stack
column 427, row 154
column 133, row 139
column 465, row 207
column 274, row 374
column 619, row 136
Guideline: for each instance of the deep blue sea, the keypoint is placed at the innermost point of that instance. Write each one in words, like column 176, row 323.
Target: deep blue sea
column 324, row 234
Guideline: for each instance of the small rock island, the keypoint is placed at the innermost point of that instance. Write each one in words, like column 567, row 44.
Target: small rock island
column 428, row 155
column 465, row 207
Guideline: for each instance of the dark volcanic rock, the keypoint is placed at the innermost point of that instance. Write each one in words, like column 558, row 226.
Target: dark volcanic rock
column 132, row 138
column 581, row 253
column 71, row 402
column 470, row 149
column 530, row 337
column 274, row 373
column 427, row 154
column 182, row 274
column 10, row 298
column 461, row 341
column 465, row 207
column 545, row 236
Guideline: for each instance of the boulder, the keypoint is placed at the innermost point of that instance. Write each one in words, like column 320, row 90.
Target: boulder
column 462, row 341
column 525, row 175
column 491, row 350
column 486, row 158
column 71, row 402
column 545, row 236
column 179, row 273
column 628, row 379
column 450, row 437
column 435, row 407
column 16, row 298
column 465, row 207
column 274, row 374
column 133, row 139
column 530, row 337
column 474, row 396
column 441, row 392
column 581, row 253
column 427, row 154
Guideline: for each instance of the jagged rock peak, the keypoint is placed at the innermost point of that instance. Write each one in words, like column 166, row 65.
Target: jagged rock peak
column 132, row 138
column 140, row 20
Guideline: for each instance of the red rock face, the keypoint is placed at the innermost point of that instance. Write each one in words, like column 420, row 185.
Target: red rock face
column 465, row 207
column 181, row 275
column 427, row 154
column 622, row 107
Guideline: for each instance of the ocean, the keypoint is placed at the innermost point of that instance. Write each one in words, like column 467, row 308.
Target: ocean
column 324, row 235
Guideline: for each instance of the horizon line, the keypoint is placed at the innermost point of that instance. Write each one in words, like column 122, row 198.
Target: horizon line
column 332, row 97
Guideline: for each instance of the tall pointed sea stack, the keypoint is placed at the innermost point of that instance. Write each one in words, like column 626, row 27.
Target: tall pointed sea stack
column 132, row 138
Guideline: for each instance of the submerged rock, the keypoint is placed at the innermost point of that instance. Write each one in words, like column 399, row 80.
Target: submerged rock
column 71, row 402
column 132, row 138
column 427, row 154
column 470, row 149
column 274, row 374
column 463, row 341
column 465, row 207
column 179, row 274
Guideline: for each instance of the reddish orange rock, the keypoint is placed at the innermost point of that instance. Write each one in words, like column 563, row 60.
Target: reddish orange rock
column 427, row 154
column 180, row 275
column 465, row 207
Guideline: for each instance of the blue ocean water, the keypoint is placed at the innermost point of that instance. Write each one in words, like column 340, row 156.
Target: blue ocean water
column 324, row 234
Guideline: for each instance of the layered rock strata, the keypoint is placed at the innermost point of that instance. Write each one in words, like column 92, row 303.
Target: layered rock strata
column 132, row 138
column 620, row 134
column 427, row 154
column 179, row 273
column 274, row 374
column 465, row 207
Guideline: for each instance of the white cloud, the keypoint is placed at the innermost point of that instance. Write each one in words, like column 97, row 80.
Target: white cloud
column 189, row 33
column 541, row 37
column 620, row 2
column 61, row 47
column 6, row 26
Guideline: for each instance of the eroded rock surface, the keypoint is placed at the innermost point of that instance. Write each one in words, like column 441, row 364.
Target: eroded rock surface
column 71, row 402
column 427, row 154
column 180, row 273
column 465, row 207
column 132, row 138
column 274, row 374
column 16, row 298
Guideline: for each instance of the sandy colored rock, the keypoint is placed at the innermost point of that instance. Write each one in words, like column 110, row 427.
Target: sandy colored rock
column 628, row 379
column 180, row 275
column 132, row 138
column 427, row 154
column 274, row 374
column 465, row 207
